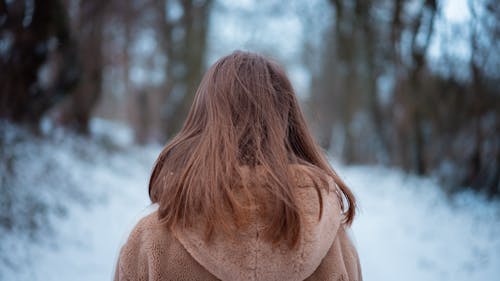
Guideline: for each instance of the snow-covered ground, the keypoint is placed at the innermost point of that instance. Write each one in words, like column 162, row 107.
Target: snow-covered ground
column 406, row 229
column 100, row 189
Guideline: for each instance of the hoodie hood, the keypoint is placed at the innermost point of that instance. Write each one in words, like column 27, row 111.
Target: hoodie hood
column 248, row 256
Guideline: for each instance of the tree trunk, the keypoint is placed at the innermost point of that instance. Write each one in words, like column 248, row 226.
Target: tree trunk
column 184, row 40
column 30, row 26
column 77, row 111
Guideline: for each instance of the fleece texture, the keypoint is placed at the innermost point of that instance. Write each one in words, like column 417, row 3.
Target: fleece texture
column 325, row 252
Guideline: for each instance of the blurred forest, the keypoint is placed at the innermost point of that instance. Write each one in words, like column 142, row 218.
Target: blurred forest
column 383, row 82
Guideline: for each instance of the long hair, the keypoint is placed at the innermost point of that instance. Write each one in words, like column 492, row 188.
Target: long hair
column 244, row 113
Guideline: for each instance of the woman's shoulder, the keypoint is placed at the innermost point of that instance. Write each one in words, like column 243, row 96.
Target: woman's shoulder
column 147, row 234
column 147, row 231
column 148, row 254
column 149, row 225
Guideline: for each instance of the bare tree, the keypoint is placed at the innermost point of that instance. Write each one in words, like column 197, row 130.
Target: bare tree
column 430, row 122
column 183, row 32
column 34, row 32
column 77, row 110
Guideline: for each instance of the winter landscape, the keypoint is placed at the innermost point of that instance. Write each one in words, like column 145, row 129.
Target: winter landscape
column 407, row 228
column 402, row 95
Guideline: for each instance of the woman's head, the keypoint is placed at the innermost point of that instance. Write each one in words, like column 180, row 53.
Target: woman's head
column 245, row 113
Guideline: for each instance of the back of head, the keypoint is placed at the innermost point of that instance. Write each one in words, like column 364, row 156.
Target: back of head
column 245, row 113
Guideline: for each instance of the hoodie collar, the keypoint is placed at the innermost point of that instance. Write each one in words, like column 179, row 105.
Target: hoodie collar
column 248, row 256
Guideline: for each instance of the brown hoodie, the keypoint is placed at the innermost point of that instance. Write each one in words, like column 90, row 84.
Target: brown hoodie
column 325, row 252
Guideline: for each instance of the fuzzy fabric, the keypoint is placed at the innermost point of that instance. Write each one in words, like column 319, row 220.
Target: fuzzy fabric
column 324, row 252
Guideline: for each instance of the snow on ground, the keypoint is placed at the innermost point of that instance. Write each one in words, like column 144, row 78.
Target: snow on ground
column 100, row 192
column 406, row 229
column 88, row 240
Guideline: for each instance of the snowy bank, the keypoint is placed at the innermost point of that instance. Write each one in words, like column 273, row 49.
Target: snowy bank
column 408, row 229
column 88, row 192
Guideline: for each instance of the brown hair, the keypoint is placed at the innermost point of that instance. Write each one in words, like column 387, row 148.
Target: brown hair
column 245, row 113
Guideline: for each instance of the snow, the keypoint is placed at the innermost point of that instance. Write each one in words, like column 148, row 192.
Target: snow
column 100, row 189
column 407, row 229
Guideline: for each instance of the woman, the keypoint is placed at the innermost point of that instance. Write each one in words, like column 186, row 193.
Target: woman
column 243, row 192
